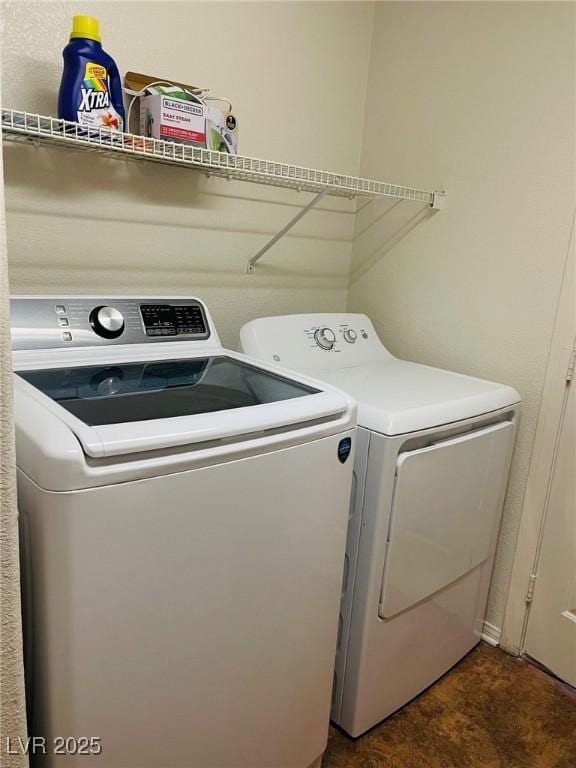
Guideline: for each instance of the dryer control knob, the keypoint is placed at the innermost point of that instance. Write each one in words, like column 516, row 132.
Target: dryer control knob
column 350, row 335
column 325, row 338
column 107, row 322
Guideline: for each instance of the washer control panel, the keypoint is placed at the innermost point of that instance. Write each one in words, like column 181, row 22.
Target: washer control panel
column 77, row 321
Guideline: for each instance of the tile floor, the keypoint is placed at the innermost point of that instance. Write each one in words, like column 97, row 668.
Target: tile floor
column 491, row 711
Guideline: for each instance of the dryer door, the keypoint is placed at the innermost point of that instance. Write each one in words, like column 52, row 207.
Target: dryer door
column 445, row 513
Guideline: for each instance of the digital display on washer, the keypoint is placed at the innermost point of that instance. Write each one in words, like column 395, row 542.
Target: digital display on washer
column 173, row 320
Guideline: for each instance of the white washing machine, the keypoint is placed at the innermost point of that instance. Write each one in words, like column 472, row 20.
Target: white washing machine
column 184, row 514
column 432, row 460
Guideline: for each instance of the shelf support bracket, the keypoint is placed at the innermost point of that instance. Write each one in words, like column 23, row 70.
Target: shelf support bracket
column 438, row 200
column 300, row 215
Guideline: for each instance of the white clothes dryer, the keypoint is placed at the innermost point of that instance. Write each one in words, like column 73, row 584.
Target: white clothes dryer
column 432, row 461
column 183, row 522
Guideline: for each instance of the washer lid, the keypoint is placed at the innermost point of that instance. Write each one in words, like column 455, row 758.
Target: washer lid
column 395, row 397
column 117, row 407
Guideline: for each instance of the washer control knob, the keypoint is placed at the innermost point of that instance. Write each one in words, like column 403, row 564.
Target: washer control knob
column 350, row 335
column 107, row 322
column 325, row 338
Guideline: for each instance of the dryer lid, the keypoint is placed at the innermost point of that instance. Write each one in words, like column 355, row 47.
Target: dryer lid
column 396, row 397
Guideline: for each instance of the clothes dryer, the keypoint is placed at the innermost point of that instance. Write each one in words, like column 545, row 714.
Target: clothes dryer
column 432, row 461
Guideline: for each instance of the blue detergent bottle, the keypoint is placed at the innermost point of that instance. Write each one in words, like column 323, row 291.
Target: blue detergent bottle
column 91, row 88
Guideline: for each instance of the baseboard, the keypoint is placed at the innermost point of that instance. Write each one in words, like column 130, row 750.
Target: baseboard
column 491, row 634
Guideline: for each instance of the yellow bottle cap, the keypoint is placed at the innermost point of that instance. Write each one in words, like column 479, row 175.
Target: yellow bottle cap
column 85, row 26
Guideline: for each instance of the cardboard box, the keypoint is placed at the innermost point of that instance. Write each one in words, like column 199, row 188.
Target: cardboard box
column 163, row 117
column 181, row 113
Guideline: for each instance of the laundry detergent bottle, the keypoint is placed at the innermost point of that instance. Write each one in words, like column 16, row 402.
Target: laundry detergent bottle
column 91, row 88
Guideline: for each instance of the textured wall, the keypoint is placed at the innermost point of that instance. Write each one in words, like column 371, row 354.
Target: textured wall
column 12, row 707
column 296, row 73
column 479, row 97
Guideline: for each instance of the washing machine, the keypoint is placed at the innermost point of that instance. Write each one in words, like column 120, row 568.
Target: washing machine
column 183, row 519
column 432, row 460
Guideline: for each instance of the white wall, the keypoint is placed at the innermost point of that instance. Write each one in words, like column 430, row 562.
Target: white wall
column 296, row 73
column 479, row 97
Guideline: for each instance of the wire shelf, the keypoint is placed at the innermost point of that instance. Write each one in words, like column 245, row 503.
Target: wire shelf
column 29, row 127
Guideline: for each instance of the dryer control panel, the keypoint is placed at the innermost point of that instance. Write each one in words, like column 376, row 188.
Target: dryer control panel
column 311, row 343
column 88, row 321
